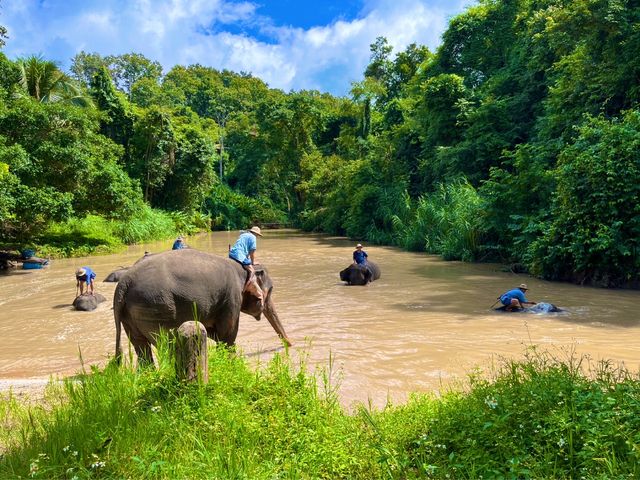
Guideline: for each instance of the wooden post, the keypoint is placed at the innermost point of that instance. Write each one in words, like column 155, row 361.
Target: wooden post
column 192, row 359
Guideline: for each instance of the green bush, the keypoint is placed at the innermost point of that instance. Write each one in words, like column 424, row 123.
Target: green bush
column 230, row 210
column 148, row 224
column 97, row 235
column 448, row 222
column 594, row 232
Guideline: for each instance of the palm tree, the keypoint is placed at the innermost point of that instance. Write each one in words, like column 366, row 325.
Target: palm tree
column 44, row 81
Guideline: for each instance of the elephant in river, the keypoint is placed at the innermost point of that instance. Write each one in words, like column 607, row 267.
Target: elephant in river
column 360, row 274
column 116, row 275
column 541, row 307
column 87, row 303
column 162, row 292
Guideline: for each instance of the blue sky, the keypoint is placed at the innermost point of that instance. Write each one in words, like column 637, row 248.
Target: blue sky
column 290, row 44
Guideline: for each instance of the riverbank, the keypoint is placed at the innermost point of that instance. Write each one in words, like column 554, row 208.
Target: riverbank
column 97, row 235
column 533, row 419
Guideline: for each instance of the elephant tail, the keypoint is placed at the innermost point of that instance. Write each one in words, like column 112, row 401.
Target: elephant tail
column 118, row 313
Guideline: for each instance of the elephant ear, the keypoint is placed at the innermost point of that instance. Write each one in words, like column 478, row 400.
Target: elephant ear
column 252, row 300
column 250, row 303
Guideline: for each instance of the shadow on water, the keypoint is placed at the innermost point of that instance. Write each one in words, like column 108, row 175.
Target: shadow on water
column 263, row 351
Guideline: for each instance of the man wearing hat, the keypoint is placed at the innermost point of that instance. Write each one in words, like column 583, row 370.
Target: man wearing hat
column 515, row 298
column 359, row 255
column 179, row 243
column 244, row 252
column 85, row 276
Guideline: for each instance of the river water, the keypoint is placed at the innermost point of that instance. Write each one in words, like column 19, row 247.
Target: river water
column 421, row 328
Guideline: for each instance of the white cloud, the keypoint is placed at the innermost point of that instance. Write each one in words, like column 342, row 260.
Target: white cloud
column 196, row 31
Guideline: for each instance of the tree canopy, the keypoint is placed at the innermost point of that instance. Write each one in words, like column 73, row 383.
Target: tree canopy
column 514, row 141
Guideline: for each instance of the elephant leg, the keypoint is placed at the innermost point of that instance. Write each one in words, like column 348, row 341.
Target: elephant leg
column 141, row 345
column 226, row 329
column 143, row 351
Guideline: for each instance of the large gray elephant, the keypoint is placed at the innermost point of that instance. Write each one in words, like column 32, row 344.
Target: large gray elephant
column 161, row 292
column 87, row 303
column 360, row 274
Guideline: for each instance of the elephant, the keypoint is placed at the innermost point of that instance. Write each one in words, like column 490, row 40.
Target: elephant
column 116, row 275
column 87, row 303
column 163, row 291
column 541, row 307
column 360, row 274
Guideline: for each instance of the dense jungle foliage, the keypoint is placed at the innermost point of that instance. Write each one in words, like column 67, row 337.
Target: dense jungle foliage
column 517, row 141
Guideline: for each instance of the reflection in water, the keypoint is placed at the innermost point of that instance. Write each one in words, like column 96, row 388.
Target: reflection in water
column 424, row 323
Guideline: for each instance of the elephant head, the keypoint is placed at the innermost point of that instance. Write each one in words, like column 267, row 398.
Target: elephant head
column 254, row 305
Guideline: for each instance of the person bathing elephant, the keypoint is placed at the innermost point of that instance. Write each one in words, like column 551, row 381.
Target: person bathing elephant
column 162, row 292
column 360, row 274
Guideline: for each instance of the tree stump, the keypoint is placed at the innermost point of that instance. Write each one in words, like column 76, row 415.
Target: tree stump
column 192, row 359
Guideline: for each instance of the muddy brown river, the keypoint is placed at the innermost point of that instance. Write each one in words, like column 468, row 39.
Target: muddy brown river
column 423, row 326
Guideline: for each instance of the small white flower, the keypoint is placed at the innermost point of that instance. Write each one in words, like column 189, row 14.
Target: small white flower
column 95, row 465
column 561, row 442
column 66, row 449
column 156, row 408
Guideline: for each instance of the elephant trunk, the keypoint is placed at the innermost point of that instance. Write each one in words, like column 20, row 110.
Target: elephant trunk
column 274, row 320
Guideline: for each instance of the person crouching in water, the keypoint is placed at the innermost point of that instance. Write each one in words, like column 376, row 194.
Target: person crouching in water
column 515, row 298
column 244, row 252
column 85, row 276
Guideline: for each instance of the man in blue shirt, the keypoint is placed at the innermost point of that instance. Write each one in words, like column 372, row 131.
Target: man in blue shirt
column 179, row 243
column 244, row 252
column 85, row 275
column 515, row 298
column 359, row 255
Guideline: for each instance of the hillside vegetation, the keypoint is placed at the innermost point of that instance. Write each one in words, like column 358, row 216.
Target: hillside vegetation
column 516, row 141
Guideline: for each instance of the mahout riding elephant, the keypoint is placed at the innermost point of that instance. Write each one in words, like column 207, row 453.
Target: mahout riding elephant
column 360, row 274
column 541, row 307
column 162, row 292
column 116, row 275
column 87, row 303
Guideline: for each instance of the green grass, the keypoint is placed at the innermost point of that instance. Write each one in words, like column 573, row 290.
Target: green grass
column 96, row 235
column 539, row 418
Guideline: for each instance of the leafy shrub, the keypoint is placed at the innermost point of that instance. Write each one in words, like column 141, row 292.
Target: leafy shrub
column 448, row 222
column 594, row 233
column 231, row 210
column 147, row 224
